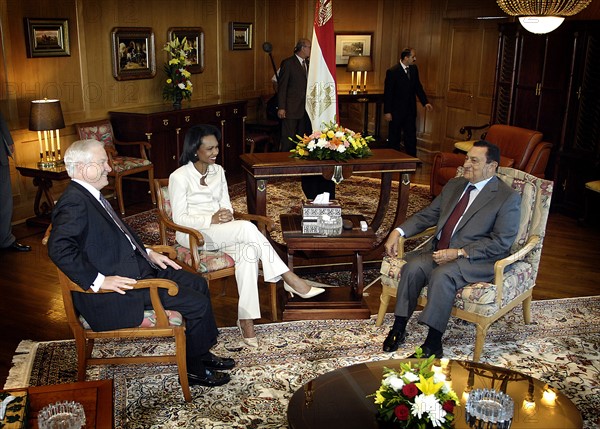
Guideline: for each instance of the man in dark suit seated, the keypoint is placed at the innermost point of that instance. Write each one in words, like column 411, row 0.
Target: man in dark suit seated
column 477, row 218
column 96, row 250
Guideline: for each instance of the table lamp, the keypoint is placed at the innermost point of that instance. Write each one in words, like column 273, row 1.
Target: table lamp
column 359, row 64
column 45, row 117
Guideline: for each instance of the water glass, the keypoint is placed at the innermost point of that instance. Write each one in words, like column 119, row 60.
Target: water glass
column 489, row 406
column 62, row 415
column 330, row 225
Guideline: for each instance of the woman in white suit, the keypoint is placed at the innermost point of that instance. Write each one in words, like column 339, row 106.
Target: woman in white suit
column 200, row 199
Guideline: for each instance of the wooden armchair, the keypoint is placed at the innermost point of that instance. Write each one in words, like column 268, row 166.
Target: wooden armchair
column 520, row 148
column 210, row 264
column 514, row 276
column 122, row 166
column 157, row 322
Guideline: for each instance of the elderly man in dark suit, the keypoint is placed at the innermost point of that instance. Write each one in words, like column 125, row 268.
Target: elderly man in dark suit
column 7, row 239
column 96, row 250
column 402, row 85
column 477, row 218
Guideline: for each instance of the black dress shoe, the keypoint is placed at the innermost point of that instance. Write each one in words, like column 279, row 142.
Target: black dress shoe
column 17, row 247
column 216, row 362
column 393, row 340
column 210, row 379
column 427, row 352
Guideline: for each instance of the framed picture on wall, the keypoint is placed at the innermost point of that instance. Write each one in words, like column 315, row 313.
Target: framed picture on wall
column 133, row 53
column 195, row 37
column 240, row 35
column 47, row 37
column 349, row 44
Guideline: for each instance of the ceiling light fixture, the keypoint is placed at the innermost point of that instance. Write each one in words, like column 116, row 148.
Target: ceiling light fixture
column 542, row 16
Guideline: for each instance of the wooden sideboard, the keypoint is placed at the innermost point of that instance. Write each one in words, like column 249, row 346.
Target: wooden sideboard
column 165, row 127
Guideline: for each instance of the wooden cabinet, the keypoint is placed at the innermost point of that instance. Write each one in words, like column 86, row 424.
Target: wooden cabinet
column 551, row 83
column 165, row 128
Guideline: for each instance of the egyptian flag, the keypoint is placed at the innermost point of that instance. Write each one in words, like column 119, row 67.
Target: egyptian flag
column 321, row 90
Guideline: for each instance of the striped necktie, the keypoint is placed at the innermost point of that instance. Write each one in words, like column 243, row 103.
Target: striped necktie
column 456, row 214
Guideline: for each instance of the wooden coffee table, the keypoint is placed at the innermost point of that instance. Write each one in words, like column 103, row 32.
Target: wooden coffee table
column 338, row 302
column 95, row 396
column 339, row 398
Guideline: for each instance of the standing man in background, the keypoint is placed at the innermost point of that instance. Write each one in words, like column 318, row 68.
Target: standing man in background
column 293, row 78
column 401, row 86
column 7, row 239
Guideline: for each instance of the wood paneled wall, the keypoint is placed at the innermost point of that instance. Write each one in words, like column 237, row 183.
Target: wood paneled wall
column 456, row 58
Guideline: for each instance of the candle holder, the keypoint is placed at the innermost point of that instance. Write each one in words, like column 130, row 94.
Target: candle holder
column 359, row 64
column 45, row 117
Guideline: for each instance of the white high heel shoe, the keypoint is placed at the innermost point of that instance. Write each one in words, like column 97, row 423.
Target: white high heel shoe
column 314, row 291
column 252, row 342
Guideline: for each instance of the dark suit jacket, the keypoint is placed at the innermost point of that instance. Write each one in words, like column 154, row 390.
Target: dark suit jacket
column 486, row 231
column 86, row 241
column 6, row 142
column 291, row 88
column 399, row 92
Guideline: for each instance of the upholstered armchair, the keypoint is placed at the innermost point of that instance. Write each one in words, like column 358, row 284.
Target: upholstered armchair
column 122, row 166
column 514, row 276
column 210, row 264
column 157, row 322
column 520, row 148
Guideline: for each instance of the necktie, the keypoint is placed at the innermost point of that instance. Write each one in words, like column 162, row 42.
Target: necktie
column 123, row 228
column 408, row 72
column 456, row 214
column 305, row 64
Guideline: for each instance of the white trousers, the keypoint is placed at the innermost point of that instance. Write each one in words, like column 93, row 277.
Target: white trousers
column 247, row 246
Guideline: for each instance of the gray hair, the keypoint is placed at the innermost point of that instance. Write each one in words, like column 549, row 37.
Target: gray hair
column 79, row 153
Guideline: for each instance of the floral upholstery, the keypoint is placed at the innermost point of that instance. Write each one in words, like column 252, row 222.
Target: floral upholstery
column 519, row 277
column 102, row 133
column 209, row 260
column 149, row 321
column 124, row 163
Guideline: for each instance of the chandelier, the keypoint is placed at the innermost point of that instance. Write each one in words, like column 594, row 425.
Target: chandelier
column 542, row 16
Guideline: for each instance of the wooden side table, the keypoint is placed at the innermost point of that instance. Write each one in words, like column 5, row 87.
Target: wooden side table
column 95, row 396
column 43, row 178
column 337, row 302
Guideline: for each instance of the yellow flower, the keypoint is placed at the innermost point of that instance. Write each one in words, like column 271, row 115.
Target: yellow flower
column 330, row 134
column 379, row 398
column 169, row 80
column 428, row 386
column 302, row 152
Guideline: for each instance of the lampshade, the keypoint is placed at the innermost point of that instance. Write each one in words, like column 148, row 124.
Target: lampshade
column 45, row 115
column 359, row 63
column 542, row 16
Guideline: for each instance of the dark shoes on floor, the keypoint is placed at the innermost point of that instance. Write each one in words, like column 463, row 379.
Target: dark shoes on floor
column 427, row 352
column 208, row 379
column 216, row 362
column 393, row 340
column 17, row 247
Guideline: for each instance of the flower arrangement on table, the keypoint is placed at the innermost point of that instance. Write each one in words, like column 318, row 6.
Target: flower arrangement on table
column 415, row 396
column 178, row 85
column 332, row 142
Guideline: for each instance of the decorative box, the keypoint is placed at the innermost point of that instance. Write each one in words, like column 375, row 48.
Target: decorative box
column 314, row 211
column 310, row 226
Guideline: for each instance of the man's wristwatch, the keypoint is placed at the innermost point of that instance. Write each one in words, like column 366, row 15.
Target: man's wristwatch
column 461, row 254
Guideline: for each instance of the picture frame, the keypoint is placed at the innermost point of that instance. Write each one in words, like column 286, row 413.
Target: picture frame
column 194, row 36
column 133, row 53
column 349, row 44
column 47, row 37
column 240, row 35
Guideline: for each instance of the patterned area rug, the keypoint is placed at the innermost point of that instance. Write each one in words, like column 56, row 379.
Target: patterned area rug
column 561, row 347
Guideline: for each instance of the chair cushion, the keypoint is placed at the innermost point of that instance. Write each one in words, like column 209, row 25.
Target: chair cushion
column 149, row 321
column 124, row 163
column 528, row 197
column 102, row 133
column 209, row 260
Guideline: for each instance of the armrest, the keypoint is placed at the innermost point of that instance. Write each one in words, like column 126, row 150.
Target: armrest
column 265, row 223
column 469, row 130
column 165, row 250
column 142, row 145
column 428, row 232
column 501, row 264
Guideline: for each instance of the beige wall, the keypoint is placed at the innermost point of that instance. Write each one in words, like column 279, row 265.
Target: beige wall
column 456, row 57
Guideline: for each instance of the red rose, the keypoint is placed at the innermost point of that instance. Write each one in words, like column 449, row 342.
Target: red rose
column 410, row 390
column 401, row 412
column 448, row 406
